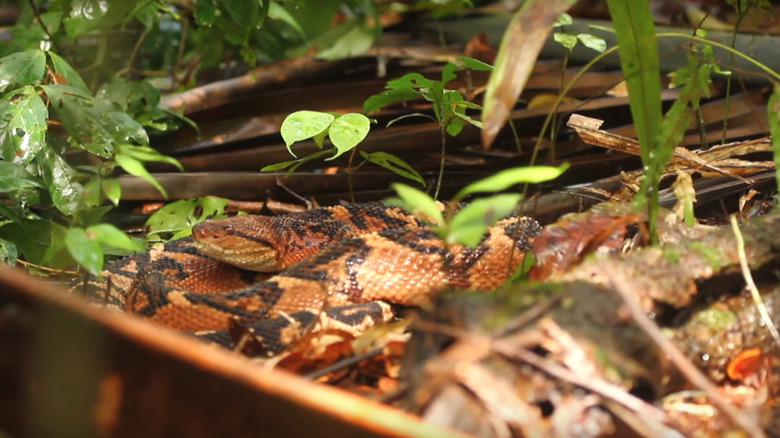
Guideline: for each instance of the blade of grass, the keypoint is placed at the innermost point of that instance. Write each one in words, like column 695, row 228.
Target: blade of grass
column 638, row 48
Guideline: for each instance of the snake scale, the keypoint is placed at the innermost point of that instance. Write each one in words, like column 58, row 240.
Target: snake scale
column 279, row 278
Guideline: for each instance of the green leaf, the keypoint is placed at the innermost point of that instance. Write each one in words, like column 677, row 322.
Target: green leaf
column 146, row 154
column 111, row 236
column 469, row 225
column 85, row 249
column 563, row 20
column 85, row 15
column 302, row 125
column 448, row 73
column 136, row 97
column 91, row 195
column 410, row 80
column 181, row 215
column 22, row 68
column 112, row 190
column 58, row 176
column 454, row 126
column 773, row 112
column 32, row 237
column 62, row 67
column 394, row 164
column 8, row 253
column 509, row 177
column 566, row 40
column 356, row 41
column 276, row 11
column 639, row 60
column 95, row 124
column 475, row 64
column 592, row 42
column 22, row 126
column 242, row 13
column 135, row 167
column 294, row 164
column 347, row 131
column 278, row 166
column 14, row 177
column 388, row 97
column 205, row 12
column 415, row 201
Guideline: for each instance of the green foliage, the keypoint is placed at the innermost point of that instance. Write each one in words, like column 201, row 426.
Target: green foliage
column 569, row 41
column 449, row 106
column 175, row 220
column 48, row 113
column 640, row 62
column 35, row 172
column 70, row 117
column 468, row 225
column 345, row 132
column 773, row 110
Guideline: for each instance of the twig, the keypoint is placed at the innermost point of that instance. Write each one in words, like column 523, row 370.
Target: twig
column 693, row 374
column 751, row 285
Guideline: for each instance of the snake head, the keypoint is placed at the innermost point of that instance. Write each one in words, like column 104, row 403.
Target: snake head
column 246, row 242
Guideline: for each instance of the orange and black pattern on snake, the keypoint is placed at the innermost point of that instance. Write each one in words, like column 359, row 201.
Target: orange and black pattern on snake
column 359, row 262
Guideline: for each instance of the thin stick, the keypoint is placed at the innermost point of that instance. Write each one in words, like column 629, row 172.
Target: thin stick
column 688, row 369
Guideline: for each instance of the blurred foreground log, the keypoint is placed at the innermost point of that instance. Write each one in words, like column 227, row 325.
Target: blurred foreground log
column 67, row 369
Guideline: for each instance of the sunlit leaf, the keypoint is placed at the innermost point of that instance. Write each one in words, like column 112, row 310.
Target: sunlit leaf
column 509, row 177
column 347, row 131
column 563, row 20
column 302, row 125
column 592, row 42
column 566, row 40
column 416, row 200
